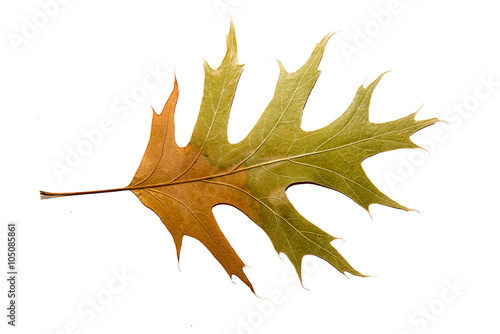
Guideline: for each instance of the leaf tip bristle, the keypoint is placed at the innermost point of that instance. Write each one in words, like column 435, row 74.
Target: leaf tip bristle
column 245, row 280
column 345, row 275
column 328, row 36
column 259, row 297
column 206, row 65
column 426, row 150
column 370, row 214
column 339, row 238
column 231, row 36
column 176, row 85
column 374, row 82
column 282, row 68
column 302, row 282
column 414, row 114
column 367, row 208
column 367, row 276
column 354, row 273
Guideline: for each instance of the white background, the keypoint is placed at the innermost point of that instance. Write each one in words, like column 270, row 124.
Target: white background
column 65, row 79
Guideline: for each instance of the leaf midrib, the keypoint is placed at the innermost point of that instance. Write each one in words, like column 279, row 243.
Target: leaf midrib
column 231, row 172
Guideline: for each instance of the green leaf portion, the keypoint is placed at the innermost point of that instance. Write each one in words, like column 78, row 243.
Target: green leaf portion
column 210, row 132
column 283, row 115
column 277, row 153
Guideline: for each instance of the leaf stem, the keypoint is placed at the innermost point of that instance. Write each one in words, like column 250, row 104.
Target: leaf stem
column 48, row 195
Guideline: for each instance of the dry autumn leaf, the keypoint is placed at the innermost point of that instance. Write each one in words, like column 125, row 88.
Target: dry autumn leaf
column 182, row 184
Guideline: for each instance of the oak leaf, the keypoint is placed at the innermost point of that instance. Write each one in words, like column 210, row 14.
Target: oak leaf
column 182, row 184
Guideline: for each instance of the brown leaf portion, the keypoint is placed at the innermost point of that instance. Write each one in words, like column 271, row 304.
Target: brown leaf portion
column 185, row 208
